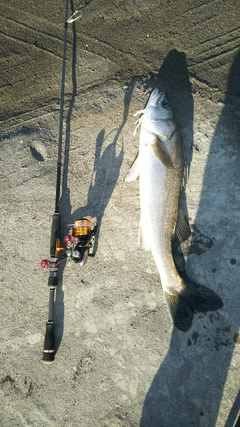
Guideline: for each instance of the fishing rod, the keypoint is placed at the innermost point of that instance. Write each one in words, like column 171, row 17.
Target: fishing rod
column 80, row 239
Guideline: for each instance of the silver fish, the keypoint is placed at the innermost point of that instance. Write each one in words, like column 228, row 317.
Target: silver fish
column 161, row 166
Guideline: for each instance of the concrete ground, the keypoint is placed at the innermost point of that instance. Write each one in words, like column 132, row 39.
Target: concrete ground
column 119, row 361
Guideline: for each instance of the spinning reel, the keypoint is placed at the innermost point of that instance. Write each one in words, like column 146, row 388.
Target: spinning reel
column 79, row 244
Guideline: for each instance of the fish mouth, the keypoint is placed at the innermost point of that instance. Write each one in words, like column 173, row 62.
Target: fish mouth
column 156, row 97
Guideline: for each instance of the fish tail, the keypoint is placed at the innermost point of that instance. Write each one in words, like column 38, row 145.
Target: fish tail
column 194, row 298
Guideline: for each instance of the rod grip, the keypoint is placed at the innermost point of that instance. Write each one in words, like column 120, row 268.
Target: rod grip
column 49, row 343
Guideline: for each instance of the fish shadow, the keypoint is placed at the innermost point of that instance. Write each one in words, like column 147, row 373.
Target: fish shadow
column 173, row 79
column 187, row 389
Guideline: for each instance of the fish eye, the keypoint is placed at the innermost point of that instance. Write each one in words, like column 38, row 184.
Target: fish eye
column 165, row 104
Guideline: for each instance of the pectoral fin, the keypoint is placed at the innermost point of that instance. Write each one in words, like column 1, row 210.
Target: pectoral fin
column 135, row 170
column 161, row 153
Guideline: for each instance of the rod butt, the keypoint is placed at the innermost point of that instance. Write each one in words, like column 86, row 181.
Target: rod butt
column 49, row 344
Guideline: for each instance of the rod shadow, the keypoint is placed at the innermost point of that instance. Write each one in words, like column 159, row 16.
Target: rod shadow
column 106, row 169
column 188, row 388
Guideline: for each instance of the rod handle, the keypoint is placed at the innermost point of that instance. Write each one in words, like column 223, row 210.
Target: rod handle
column 49, row 343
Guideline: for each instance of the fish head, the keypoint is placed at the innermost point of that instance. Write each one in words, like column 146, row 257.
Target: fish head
column 158, row 107
column 157, row 119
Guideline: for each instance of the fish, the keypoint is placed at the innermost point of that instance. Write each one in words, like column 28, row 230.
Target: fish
column 162, row 170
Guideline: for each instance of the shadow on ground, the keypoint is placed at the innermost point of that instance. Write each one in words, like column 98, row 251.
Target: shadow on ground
column 107, row 167
column 189, row 385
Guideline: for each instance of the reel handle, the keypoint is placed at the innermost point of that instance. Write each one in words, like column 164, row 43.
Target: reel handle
column 49, row 343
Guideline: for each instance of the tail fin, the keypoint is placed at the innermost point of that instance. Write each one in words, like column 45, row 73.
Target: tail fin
column 193, row 299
